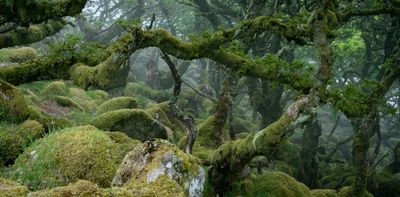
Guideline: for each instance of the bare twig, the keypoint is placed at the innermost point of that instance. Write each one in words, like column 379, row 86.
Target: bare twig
column 188, row 120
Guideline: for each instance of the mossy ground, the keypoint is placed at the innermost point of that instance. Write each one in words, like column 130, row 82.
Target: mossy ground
column 9, row 188
column 82, row 188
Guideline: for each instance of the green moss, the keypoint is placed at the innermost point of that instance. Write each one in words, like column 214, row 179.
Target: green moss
column 36, row 87
column 162, row 113
column 324, row 193
column 348, row 192
column 83, row 188
column 58, row 88
column 80, row 117
column 98, row 96
column 15, row 139
column 19, row 55
column 48, row 121
column 147, row 92
column 108, row 74
column 117, row 103
column 124, row 142
column 67, row 102
column 161, row 167
column 80, row 96
column 136, row 123
column 13, row 103
column 162, row 186
column 271, row 184
column 10, row 188
column 66, row 156
column 206, row 136
column 82, row 75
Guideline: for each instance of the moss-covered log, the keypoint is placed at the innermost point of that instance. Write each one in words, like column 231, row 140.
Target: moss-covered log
column 36, row 11
column 30, row 34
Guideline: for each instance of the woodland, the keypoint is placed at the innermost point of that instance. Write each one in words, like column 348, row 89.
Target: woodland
column 252, row 98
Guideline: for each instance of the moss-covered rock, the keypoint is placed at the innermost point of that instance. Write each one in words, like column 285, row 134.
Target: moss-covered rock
column 19, row 55
column 12, row 103
column 99, row 96
column 68, row 155
column 117, row 103
column 10, row 188
column 56, row 88
column 124, row 142
column 82, row 188
column 324, row 193
column 162, row 112
column 136, row 123
column 80, row 96
column 271, row 184
column 147, row 92
column 68, row 102
column 348, row 192
column 159, row 168
column 14, row 139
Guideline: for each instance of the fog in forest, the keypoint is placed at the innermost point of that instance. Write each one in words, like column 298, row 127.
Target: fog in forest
column 251, row 98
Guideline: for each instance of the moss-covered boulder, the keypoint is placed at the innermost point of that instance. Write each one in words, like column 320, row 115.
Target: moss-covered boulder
column 162, row 112
column 82, row 188
column 68, row 155
column 13, row 140
column 124, row 142
column 117, row 103
column 80, row 96
column 324, row 193
column 271, row 184
column 99, row 96
column 12, row 103
column 10, row 188
column 68, row 102
column 348, row 192
column 18, row 55
column 135, row 123
column 159, row 168
column 147, row 92
column 56, row 88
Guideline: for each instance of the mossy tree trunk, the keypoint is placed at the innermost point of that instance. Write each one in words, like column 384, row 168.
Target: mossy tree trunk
column 308, row 163
column 228, row 161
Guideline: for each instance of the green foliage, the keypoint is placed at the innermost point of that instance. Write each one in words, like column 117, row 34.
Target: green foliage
column 350, row 47
column 351, row 100
column 73, row 47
